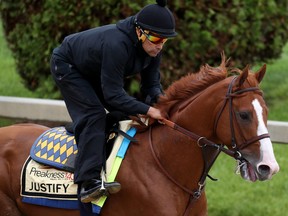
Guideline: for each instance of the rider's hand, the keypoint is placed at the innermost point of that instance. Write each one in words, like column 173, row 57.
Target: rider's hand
column 155, row 113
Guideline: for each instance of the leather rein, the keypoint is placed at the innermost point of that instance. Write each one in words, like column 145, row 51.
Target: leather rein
column 206, row 144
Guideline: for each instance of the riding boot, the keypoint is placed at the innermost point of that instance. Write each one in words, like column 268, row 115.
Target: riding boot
column 93, row 189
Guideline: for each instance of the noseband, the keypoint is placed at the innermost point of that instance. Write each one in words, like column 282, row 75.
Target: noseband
column 204, row 143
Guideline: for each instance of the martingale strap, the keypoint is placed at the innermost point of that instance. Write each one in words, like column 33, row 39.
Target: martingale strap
column 214, row 150
column 207, row 149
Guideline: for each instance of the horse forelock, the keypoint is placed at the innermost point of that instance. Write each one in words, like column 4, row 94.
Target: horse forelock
column 191, row 84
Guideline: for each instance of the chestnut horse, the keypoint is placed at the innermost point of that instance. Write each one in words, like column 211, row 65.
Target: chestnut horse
column 164, row 173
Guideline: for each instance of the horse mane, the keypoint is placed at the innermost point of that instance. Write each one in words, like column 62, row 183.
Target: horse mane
column 188, row 86
column 191, row 84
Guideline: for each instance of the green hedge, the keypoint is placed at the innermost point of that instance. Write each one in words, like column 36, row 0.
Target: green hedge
column 249, row 31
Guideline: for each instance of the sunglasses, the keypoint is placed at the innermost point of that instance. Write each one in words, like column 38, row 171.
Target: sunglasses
column 153, row 38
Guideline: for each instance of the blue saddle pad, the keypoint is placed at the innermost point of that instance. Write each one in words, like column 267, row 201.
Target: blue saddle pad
column 55, row 147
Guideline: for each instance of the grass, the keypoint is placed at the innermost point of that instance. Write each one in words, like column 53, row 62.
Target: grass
column 11, row 84
column 231, row 195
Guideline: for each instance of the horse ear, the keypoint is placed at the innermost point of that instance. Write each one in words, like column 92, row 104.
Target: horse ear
column 260, row 73
column 242, row 77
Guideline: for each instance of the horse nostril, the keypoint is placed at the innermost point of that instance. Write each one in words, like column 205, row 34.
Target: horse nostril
column 264, row 170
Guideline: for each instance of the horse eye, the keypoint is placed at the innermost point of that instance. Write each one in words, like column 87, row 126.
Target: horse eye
column 244, row 115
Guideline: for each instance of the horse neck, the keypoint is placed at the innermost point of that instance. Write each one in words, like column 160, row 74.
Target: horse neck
column 181, row 155
column 198, row 114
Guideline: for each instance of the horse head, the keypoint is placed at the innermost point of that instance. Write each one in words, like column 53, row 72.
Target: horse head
column 226, row 109
column 246, row 115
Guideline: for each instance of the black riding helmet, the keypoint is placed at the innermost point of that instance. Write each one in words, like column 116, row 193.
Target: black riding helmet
column 157, row 18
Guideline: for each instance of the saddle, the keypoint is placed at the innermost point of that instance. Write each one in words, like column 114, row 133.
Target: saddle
column 57, row 147
column 52, row 159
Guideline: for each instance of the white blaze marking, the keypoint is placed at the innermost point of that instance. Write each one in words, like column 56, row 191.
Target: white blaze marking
column 259, row 113
column 266, row 148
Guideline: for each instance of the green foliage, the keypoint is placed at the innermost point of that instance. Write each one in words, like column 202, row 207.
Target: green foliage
column 248, row 31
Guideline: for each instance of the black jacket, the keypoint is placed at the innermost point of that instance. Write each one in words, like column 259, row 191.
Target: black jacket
column 108, row 54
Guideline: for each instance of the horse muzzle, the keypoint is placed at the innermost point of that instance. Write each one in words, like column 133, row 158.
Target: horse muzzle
column 262, row 171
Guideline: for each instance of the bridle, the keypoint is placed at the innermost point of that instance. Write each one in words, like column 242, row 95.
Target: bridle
column 207, row 145
column 229, row 100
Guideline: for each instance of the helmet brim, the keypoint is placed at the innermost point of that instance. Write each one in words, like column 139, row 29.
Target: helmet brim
column 165, row 33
